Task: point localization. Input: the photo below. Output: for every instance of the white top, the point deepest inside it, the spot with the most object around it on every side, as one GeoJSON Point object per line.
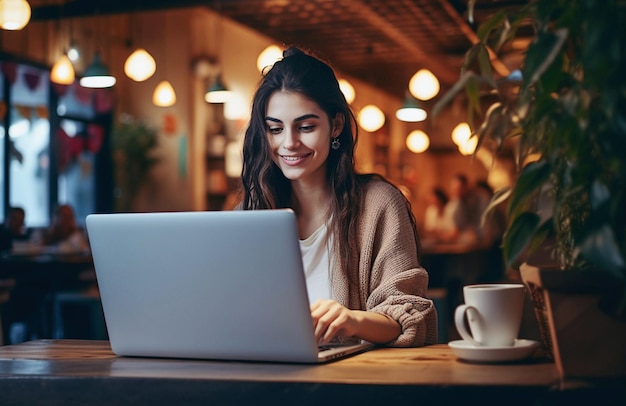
{"type": "Point", "coordinates": [317, 264]}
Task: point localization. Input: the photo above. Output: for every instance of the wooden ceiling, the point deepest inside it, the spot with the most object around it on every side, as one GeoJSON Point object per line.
{"type": "Point", "coordinates": [382, 42]}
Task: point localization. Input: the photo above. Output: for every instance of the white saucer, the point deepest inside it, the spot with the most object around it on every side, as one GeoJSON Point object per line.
{"type": "Point", "coordinates": [469, 352]}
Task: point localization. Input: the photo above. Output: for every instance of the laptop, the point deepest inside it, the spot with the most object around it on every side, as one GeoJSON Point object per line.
{"type": "Point", "coordinates": [225, 285]}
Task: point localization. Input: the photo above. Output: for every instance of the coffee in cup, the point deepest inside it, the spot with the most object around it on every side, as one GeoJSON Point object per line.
{"type": "Point", "coordinates": [494, 314]}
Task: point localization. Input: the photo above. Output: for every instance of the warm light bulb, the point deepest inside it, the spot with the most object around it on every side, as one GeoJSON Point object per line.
{"type": "Point", "coordinates": [417, 141]}
{"type": "Point", "coordinates": [14, 14]}
{"type": "Point", "coordinates": [371, 118]}
{"type": "Point", "coordinates": [461, 133]}
{"type": "Point", "coordinates": [73, 53]}
{"type": "Point", "coordinates": [63, 71]}
{"type": "Point", "coordinates": [424, 85]}
{"type": "Point", "coordinates": [348, 90]}
{"type": "Point", "coordinates": [469, 146]}
{"type": "Point", "coordinates": [164, 95]}
{"type": "Point", "coordinates": [140, 65]}
{"type": "Point", "coordinates": [268, 57]}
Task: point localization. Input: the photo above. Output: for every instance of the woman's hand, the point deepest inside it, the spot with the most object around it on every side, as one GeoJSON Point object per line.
{"type": "Point", "coordinates": [331, 319]}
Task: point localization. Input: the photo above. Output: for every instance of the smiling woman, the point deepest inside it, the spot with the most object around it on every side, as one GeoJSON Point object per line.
{"type": "Point", "coordinates": [357, 233]}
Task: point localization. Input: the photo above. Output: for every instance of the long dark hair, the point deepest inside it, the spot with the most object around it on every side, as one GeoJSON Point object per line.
{"type": "Point", "coordinates": [265, 186]}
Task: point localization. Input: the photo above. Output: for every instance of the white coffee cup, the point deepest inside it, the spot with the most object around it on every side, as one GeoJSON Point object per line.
{"type": "Point", "coordinates": [494, 314]}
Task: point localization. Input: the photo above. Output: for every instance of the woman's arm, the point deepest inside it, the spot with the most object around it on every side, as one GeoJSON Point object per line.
{"type": "Point", "coordinates": [331, 319]}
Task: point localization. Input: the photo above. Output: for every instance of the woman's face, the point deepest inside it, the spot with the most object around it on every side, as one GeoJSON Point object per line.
{"type": "Point", "coordinates": [299, 134]}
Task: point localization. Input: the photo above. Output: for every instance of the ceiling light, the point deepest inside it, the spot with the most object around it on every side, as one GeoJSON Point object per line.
{"type": "Point", "coordinates": [424, 85]}
{"type": "Point", "coordinates": [268, 57]}
{"type": "Point", "coordinates": [348, 90]}
{"type": "Point", "coordinates": [371, 118]}
{"type": "Point", "coordinates": [461, 133]}
{"type": "Point", "coordinates": [62, 71]}
{"type": "Point", "coordinates": [217, 93]}
{"type": "Point", "coordinates": [140, 65]}
{"type": "Point", "coordinates": [14, 14]}
{"type": "Point", "coordinates": [97, 75]}
{"type": "Point", "coordinates": [73, 53]}
{"type": "Point", "coordinates": [417, 141]}
{"type": "Point", "coordinates": [411, 111]}
{"type": "Point", "coordinates": [164, 95]}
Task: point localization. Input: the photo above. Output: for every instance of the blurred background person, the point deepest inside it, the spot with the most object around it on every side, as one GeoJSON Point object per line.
{"type": "Point", "coordinates": [436, 221]}
{"type": "Point", "coordinates": [13, 229]}
{"type": "Point", "coordinates": [64, 235]}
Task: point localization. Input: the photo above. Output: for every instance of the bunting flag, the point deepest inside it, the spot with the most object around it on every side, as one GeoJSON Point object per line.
{"type": "Point", "coordinates": [32, 78]}
{"type": "Point", "coordinates": [9, 69]}
{"type": "Point", "coordinates": [3, 110]}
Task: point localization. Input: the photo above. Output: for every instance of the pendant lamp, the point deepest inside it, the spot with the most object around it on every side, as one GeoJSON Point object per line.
{"type": "Point", "coordinates": [417, 141]}
{"type": "Point", "coordinates": [411, 111]}
{"type": "Point", "coordinates": [348, 90]}
{"type": "Point", "coordinates": [14, 14]}
{"type": "Point", "coordinates": [97, 75]}
{"type": "Point", "coordinates": [371, 118]}
{"type": "Point", "coordinates": [164, 95]}
{"type": "Point", "coordinates": [268, 57]}
{"type": "Point", "coordinates": [140, 65]}
{"type": "Point", "coordinates": [217, 92]}
{"type": "Point", "coordinates": [424, 85]}
{"type": "Point", "coordinates": [62, 72]}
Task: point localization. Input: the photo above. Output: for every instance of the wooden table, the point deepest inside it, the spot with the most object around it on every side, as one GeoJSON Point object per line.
{"type": "Point", "coordinates": [70, 372]}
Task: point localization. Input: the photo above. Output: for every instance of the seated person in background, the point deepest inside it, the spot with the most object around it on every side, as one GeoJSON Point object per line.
{"type": "Point", "coordinates": [64, 234]}
{"type": "Point", "coordinates": [13, 229]}
{"type": "Point", "coordinates": [463, 212]}
{"type": "Point", "coordinates": [436, 222]}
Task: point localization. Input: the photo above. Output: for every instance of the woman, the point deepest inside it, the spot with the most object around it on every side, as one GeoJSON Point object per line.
{"type": "Point", "coordinates": [358, 237]}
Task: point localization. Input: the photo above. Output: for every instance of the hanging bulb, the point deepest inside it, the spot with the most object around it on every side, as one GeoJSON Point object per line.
{"type": "Point", "coordinates": [417, 141]}
{"type": "Point", "coordinates": [97, 75]}
{"type": "Point", "coordinates": [73, 53]}
{"type": "Point", "coordinates": [14, 14]}
{"type": "Point", "coordinates": [268, 57]}
{"type": "Point", "coordinates": [371, 118]}
{"type": "Point", "coordinates": [164, 95]}
{"type": "Point", "coordinates": [140, 65]}
{"type": "Point", "coordinates": [217, 93]}
{"type": "Point", "coordinates": [63, 71]}
{"type": "Point", "coordinates": [424, 85]}
{"type": "Point", "coordinates": [348, 90]}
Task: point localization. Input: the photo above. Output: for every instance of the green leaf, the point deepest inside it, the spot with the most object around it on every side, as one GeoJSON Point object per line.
{"type": "Point", "coordinates": [542, 53]}
{"type": "Point", "coordinates": [498, 198]}
{"type": "Point", "coordinates": [519, 235]}
{"type": "Point", "coordinates": [451, 94]}
{"type": "Point", "coordinates": [531, 178]}
{"type": "Point", "coordinates": [492, 23]}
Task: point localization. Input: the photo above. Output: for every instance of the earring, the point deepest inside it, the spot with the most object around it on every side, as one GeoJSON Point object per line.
{"type": "Point", "coordinates": [335, 144]}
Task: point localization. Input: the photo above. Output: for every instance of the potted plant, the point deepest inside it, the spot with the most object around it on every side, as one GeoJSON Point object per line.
{"type": "Point", "coordinates": [133, 143]}
{"type": "Point", "coordinates": [567, 109]}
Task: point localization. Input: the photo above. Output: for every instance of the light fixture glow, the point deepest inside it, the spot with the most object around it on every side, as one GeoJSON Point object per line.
{"type": "Point", "coordinates": [140, 65]}
{"type": "Point", "coordinates": [371, 118]}
{"type": "Point", "coordinates": [63, 71]}
{"type": "Point", "coordinates": [469, 146]}
{"type": "Point", "coordinates": [73, 53]}
{"type": "Point", "coordinates": [14, 14]}
{"type": "Point", "coordinates": [411, 111]}
{"type": "Point", "coordinates": [217, 93]}
{"type": "Point", "coordinates": [424, 85]}
{"type": "Point", "coordinates": [268, 57]}
{"type": "Point", "coordinates": [461, 133]}
{"type": "Point", "coordinates": [164, 95]}
{"type": "Point", "coordinates": [97, 75]}
{"type": "Point", "coordinates": [417, 141]}
{"type": "Point", "coordinates": [348, 90]}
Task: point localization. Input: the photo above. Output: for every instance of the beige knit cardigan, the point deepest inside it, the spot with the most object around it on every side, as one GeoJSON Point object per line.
{"type": "Point", "coordinates": [390, 279]}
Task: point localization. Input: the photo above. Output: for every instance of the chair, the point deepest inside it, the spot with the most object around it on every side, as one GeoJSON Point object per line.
{"type": "Point", "coordinates": [78, 315]}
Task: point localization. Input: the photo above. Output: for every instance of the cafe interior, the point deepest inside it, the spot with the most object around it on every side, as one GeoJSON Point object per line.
{"type": "Point", "coordinates": [112, 106]}
{"type": "Point", "coordinates": [179, 76]}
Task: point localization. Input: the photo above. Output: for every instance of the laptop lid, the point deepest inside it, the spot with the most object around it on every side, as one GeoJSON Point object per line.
{"type": "Point", "coordinates": [214, 285]}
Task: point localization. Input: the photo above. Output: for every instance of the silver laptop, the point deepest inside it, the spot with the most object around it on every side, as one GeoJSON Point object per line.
{"type": "Point", "coordinates": [211, 285]}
